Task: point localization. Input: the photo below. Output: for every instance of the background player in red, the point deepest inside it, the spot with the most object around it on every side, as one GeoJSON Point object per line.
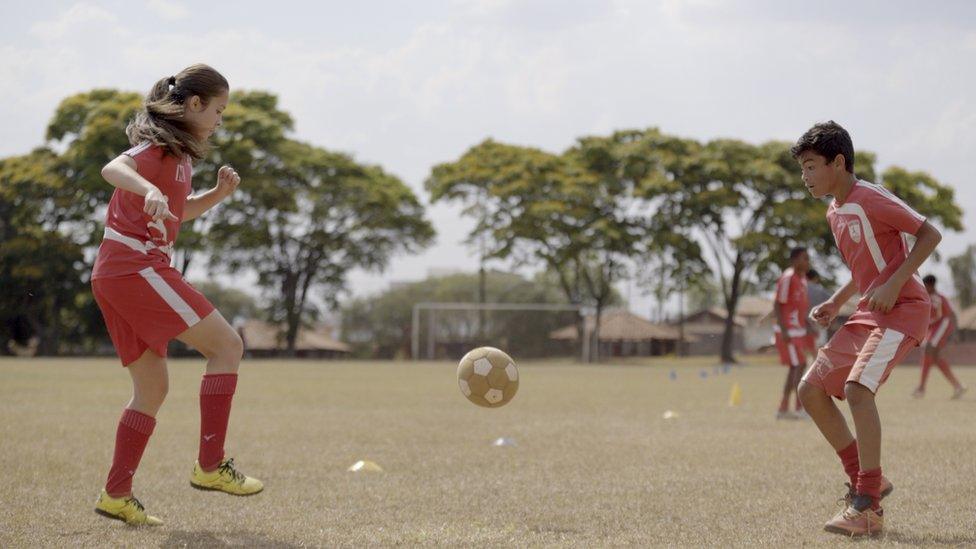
{"type": "Point", "coordinates": [793, 340]}
{"type": "Point", "coordinates": [942, 324]}
{"type": "Point", "coordinates": [146, 303]}
{"type": "Point", "coordinates": [868, 223]}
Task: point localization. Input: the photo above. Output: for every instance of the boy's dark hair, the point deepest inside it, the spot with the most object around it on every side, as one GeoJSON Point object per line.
{"type": "Point", "coordinates": [795, 252]}
{"type": "Point", "coordinates": [930, 280]}
{"type": "Point", "coordinates": [812, 274]}
{"type": "Point", "coordinates": [827, 139]}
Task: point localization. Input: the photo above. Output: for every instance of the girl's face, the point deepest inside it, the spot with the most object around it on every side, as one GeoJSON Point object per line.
{"type": "Point", "coordinates": [205, 119]}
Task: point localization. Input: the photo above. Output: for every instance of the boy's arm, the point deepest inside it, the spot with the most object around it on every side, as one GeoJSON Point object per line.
{"type": "Point", "coordinates": [825, 313]}
{"type": "Point", "coordinates": [883, 297]}
{"type": "Point", "coordinates": [781, 320]}
{"type": "Point", "coordinates": [122, 172]}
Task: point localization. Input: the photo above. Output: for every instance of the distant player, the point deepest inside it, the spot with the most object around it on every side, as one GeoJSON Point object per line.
{"type": "Point", "coordinates": [941, 326]}
{"type": "Point", "coordinates": [146, 302]}
{"type": "Point", "coordinates": [891, 318]}
{"type": "Point", "coordinates": [793, 341]}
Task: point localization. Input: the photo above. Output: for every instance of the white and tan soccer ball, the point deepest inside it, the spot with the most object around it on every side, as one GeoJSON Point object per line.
{"type": "Point", "coordinates": [488, 377]}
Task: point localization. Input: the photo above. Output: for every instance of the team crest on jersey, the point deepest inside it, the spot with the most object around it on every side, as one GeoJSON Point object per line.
{"type": "Point", "coordinates": [854, 229]}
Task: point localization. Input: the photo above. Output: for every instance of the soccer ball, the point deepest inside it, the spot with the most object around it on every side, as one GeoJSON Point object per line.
{"type": "Point", "coordinates": [488, 377]}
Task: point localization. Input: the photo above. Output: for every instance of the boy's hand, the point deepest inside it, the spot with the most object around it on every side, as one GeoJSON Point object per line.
{"type": "Point", "coordinates": [881, 298]}
{"type": "Point", "coordinates": [824, 313]}
{"type": "Point", "coordinates": [227, 181]}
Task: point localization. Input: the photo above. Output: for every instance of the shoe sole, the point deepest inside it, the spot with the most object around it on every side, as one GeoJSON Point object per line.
{"type": "Point", "coordinates": [209, 489]}
{"type": "Point", "coordinates": [108, 515]}
{"type": "Point", "coordinates": [837, 530]}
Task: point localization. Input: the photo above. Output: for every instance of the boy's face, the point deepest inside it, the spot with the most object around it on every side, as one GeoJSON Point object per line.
{"type": "Point", "coordinates": [820, 176]}
{"type": "Point", "coordinates": [802, 262]}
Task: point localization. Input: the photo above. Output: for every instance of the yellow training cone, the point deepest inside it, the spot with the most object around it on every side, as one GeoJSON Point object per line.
{"type": "Point", "coordinates": [735, 396]}
{"type": "Point", "coordinates": [364, 466]}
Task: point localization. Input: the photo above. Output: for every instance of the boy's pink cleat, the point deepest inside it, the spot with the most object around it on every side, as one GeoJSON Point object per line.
{"type": "Point", "coordinates": [855, 523]}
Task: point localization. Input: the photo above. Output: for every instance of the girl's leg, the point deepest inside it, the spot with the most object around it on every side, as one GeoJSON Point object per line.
{"type": "Point", "coordinates": [223, 348]}
{"type": "Point", "coordinates": [150, 382]}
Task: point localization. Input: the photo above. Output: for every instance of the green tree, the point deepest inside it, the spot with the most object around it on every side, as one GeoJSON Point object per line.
{"type": "Point", "coordinates": [233, 304]}
{"type": "Point", "coordinates": [41, 267]}
{"type": "Point", "coordinates": [309, 221]}
{"type": "Point", "coordinates": [963, 269]}
{"type": "Point", "coordinates": [559, 211]}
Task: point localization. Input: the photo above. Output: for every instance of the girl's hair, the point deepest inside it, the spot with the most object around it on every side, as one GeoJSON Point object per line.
{"type": "Point", "coordinates": [161, 121]}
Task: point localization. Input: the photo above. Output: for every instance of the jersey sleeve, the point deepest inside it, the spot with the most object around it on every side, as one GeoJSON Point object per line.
{"type": "Point", "coordinates": [892, 211]}
{"type": "Point", "coordinates": [149, 159]}
{"type": "Point", "coordinates": [946, 308]}
{"type": "Point", "coordinates": [783, 289]}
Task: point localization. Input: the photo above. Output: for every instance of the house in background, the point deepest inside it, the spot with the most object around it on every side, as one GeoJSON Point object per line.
{"type": "Point", "coordinates": [623, 333]}
{"type": "Point", "coordinates": [265, 340]}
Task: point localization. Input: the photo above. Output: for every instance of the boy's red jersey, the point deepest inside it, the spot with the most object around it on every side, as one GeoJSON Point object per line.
{"type": "Point", "coordinates": [869, 229]}
{"type": "Point", "coordinates": [133, 240]}
{"type": "Point", "coordinates": [791, 294]}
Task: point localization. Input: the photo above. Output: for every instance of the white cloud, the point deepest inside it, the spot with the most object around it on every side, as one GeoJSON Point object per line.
{"type": "Point", "coordinates": [168, 9]}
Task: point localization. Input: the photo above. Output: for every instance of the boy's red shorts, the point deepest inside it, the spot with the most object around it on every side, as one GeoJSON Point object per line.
{"type": "Point", "coordinates": [860, 353]}
{"type": "Point", "coordinates": [794, 353]}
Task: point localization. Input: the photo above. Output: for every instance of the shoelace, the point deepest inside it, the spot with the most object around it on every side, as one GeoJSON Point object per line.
{"type": "Point", "coordinates": [228, 467]}
{"type": "Point", "coordinates": [137, 503]}
{"type": "Point", "coordinates": [847, 499]}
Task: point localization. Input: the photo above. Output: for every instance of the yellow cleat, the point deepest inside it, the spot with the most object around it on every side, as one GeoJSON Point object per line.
{"type": "Point", "coordinates": [127, 509]}
{"type": "Point", "coordinates": [225, 479]}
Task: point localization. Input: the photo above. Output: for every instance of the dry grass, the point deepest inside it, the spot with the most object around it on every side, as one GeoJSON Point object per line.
{"type": "Point", "coordinates": [595, 464]}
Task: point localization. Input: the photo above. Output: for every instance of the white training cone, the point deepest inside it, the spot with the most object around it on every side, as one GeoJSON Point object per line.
{"type": "Point", "coordinates": [365, 466]}
{"type": "Point", "coordinates": [504, 441]}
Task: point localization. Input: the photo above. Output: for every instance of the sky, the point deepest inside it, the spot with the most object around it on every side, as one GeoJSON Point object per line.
{"type": "Point", "coordinates": [408, 85]}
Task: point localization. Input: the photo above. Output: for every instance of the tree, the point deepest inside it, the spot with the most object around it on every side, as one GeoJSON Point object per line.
{"type": "Point", "coordinates": [963, 269]}
{"type": "Point", "coordinates": [558, 210]}
{"type": "Point", "coordinates": [41, 269]}
{"type": "Point", "coordinates": [233, 304]}
{"type": "Point", "coordinates": [308, 221]}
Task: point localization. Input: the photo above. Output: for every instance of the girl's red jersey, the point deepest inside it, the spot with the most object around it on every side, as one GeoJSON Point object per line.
{"type": "Point", "coordinates": [133, 241]}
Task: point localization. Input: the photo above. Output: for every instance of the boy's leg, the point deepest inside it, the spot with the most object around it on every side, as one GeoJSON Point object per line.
{"type": "Point", "coordinates": [882, 350]}
{"type": "Point", "coordinates": [926, 366]}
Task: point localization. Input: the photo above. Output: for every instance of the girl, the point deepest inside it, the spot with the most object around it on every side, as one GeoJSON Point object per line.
{"type": "Point", "coordinates": [146, 303]}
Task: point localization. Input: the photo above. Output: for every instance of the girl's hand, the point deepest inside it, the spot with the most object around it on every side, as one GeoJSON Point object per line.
{"type": "Point", "coordinates": [157, 206]}
{"type": "Point", "coordinates": [227, 181]}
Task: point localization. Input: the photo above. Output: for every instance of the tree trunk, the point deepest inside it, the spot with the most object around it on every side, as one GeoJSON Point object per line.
{"type": "Point", "coordinates": [595, 345]}
{"type": "Point", "coordinates": [731, 305]}
{"type": "Point", "coordinates": [289, 287]}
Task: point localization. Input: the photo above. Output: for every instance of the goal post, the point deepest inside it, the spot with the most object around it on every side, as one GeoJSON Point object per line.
{"type": "Point", "coordinates": [432, 308]}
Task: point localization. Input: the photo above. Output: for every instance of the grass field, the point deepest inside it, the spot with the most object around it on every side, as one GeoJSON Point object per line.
{"type": "Point", "coordinates": [595, 462]}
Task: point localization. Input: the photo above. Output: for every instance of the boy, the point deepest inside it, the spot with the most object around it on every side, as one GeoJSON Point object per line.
{"type": "Point", "coordinates": [792, 338]}
{"type": "Point", "coordinates": [942, 324]}
{"type": "Point", "coordinates": [891, 317]}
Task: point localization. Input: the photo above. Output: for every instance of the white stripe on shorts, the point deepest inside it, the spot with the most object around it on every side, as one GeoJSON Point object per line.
{"type": "Point", "coordinates": [940, 333]}
{"type": "Point", "coordinates": [170, 296]}
{"type": "Point", "coordinates": [794, 360]}
{"type": "Point", "coordinates": [883, 354]}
